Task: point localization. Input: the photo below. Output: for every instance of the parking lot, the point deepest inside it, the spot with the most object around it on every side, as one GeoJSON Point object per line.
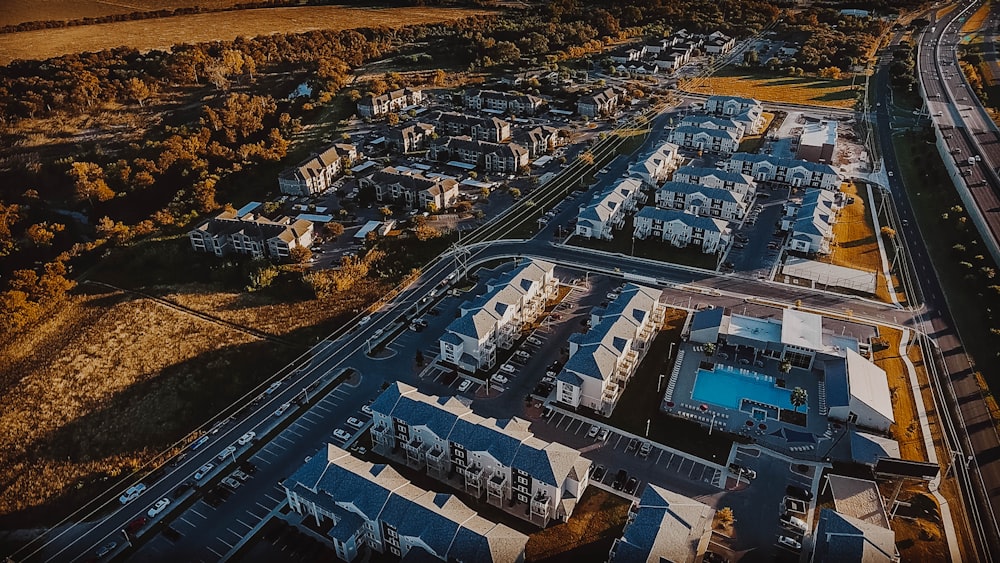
{"type": "Point", "coordinates": [756, 249]}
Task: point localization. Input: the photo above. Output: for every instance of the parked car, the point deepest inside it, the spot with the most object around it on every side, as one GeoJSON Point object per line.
{"type": "Point", "coordinates": [182, 488]}
{"type": "Point", "coordinates": [341, 434]}
{"type": "Point", "coordinates": [603, 436]}
{"type": "Point", "coordinates": [281, 410]}
{"type": "Point", "coordinates": [231, 483]}
{"type": "Point", "coordinates": [798, 492]}
{"type": "Point", "coordinates": [464, 385]}
{"type": "Point", "coordinates": [793, 522]}
{"type": "Point", "coordinates": [535, 341]}
{"type": "Point", "coordinates": [599, 473]}
{"type": "Point", "coordinates": [364, 320]}
{"type": "Point", "coordinates": [508, 368]}
{"type": "Point", "coordinates": [592, 433]}
{"type": "Point", "coordinates": [645, 448]}
{"type": "Point", "coordinates": [230, 450]}
{"type": "Point", "coordinates": [632, 443]}
{"type": "Point", "coordinates": [355, 422]}
{"type": "Point", "coordinates": [136, 525]}
{"type": "Point", "coordinates": [620, 480]}
{"type": "Point", "coordinates": [790, 543]}
{"type": "Point", "coordinates": [203, 471]}
{"type": "Point", "coordinates": [378, 333]}
{"type": "Point", "coordinates": [159, 507]}
{"type": "Point", "coordinates": [132, 493]}
{"type": "Point", "coordinates": [106, 549]}
{"type": "Point", "coordinates": [366, 409]}
{"type": "Point", "coordinates": [631, 486]}
{"type": "Point", "coordinates": [498, 378]}
{"type": "Point", "coordinates": [522, 354]}
{"type": "Point", "coordinates": [246, 438]}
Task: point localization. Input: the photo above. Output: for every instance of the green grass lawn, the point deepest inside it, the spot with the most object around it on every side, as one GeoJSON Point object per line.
{"type": "Point", "coordinates": [932, 194]}
{"type": "Point", "coordinates": [641, 402]}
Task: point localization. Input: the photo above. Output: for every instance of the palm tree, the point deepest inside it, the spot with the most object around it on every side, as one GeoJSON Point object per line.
{"type": "Point", "coordinates": [799, 397]}
{"type": "Point", "coordinates": [709, 349]}
{"type": "Point", "coordinates": [785, 366]}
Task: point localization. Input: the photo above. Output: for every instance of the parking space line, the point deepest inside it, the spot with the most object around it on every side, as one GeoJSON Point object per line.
{"type": "Point", "coordinates": [229, 545]}
{"type": "Point", "coordinates": [282, 437]}
{"type": "Point", "coordinates": [203, 517]}
{"type": "Point", "coordinates": [322, 408]}
{"type": "Point", "coordinates": [270, 497]}
{"type": "Point", "coordinates": [618, 441]}
{"type": "Point", "coordinates": [249, 527]}
{"type": "Point", "coordinates": [266, 508]}
{"type": "Point", "coordinates": [291, 431]}
{"type": "Point", "coordinates": [310, 417]}
{"type": "Point", "coordinates": [217, 554]}
{"type": "Point", "coordinates": [658, 456]}
{"type": "Point", "coordinates": [185, 520]}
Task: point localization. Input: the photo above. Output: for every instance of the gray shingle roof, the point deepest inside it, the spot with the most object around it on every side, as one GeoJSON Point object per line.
{"type": "Point", "coordinates": [700, 172]}
{"type": "Point", "coordinates": [708, 224]}
{"type": "Point", "coordinates": [720, 194]}
{"type": "Point", "coordinates": [842, 539]}
{"type": "Point", "coordinates": [666, 527]}
{"type": "Point", "coordinates": [784, 162]}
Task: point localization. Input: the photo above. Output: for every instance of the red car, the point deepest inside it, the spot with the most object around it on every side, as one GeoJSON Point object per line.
{"type": "Point", "coordinates": [137, 524]}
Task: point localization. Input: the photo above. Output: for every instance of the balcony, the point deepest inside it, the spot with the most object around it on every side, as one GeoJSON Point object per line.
{"type": "Point", "coordinates": [540, 505]}
{"type": "Point", "coordinates": [610, 393]}
{"type": "Point", "coordinates": [416, 452]}
{"type": "Point", "coordinates": [474, 477]}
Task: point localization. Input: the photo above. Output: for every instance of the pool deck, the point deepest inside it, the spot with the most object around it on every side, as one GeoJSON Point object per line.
{"type": "Point", "coordinates": [816, 440]}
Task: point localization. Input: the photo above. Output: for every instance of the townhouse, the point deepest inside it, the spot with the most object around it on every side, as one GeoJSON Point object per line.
{"type": "Point", "coordinates": [701, 200]}
{"type": "Point", "coordinates": [538, 140]}
{"type": "Point", "coordinates": [384, 104]}
{"type": "Point", "coordinates": [316, 173]}
{"type": "Point", "coordinates": [638, 67]}
{"type": "Point", "coordinates": [714, 122]}
{"type": "Point", "coordinates": [628, 54]}
{"type": "Point", "coordinates": [410, 137]}
{"type": "Point", "coordinates": [663, 526]}
{"type": "Point", "coordinates": [507, 102]}
{"type": "Point", "coordinates": [811, 221]}
{"type": "Point", "coordinates": [719, 43]}
{"type": "Point", "coordinates": [491, 129]}
{"type": "Point", "coordinates": [598, 104]}
{"type": "Point", "coordinates": [506, 158]}
{"type": "Point", "coordinates": [654, 168]}
{"type": "Point", "coordinates": [736, 182]}
{"type": "Point", "coordinates": [748, 111]}
{"type": "Point", "coordinates": [681, 228]}
{"type": "Point", "coordinates": [353, 504]}
{"type": "Point", "coordinates": [251, 234]}
{"type": "Point", "coordinates": [496, 318]}
{"type": "Point", "coordinates": [497, 460]}
{"type": "Point", "coordinates": [719, 141]}
{"type": "Point", "coordinates": [413, 188]}
{"type": "Point", "coordinates": [606, 211]}
{"type": "Point", "coordinates": [785, 171]}
{"type": "Point", "coordinates": [603, 360]}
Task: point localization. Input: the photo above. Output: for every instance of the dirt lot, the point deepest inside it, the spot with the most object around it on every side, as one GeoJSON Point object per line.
{"type": "Point", "coordinates": [94, 392]}
{"type": "Point", "coordinates": [164, 32]}
{"type": "Point", "coordinates": [599, 515]}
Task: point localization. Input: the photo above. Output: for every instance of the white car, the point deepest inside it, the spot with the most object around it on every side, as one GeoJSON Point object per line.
{"type": "Point", "coordinates": [246, 438]}
{"type": "Point", "coordinates": [592, 433]}
{"type": "Point", "coordinates": [367, 409]}
{"type": "Point", "coordinates": [500, 379]}
{"type": "Point", "coordinates": [231, 483]}
{"type": "Point", "coordinates": [281, 410]}
{"type": "Point", "coordinates": [341, 434]}
{"type": "Point", "coordinates": [355, 422]}
{"type": "Point", "coordinates": [378, 333]}
{"type": "Point", "coordinates": [226, 453]}
{"type": "Point", "coordinates": [507, 368]}
{"type": "Point", "coordinates": [364, 320]}
{"type": "Point", "coordinates": [794, 522]}
{"type": "Point", "coordinates": [159, 507]}
{"type": "Point", "coordinates": [612, 296]}
{"type": "Point", "coordinates": [450, 277]}
{"type": "Point", "coordinates": [535, 341]}
{"type": "Point", "coordinates": [203, 471]}
{"type": "Point", "coordinates": [788, 542]}
{"type": "Point", "coordinates": [522, 354]}
{"type": "Point", "coordinates": [603, 436]}
{"type": "Point", "coordinates": [464, 385]}
{"type": "Point", "coordinates": [132, 493]}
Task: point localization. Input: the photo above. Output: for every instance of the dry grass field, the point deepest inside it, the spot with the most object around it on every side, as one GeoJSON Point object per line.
{"type": "Point", "coordinates": [855, 245]}
{"type": "Point", "coordinates": [20, 11]}
{"type": "Point", "coordinates": [93, 393]}
{"type": "Point", "coordinates": [975, 21]}
{"type": "Point", "coordinates": [162, 33]}
{"type": "Point", "coordinates": [807, 90]}
{"type": "Point", "coordinates": [906, 429]}
{"type": "Point", "coordinates": [598, 515]}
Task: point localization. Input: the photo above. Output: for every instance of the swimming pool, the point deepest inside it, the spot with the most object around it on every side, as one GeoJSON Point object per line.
{"type": "Point", "coordinates": [726, 387]}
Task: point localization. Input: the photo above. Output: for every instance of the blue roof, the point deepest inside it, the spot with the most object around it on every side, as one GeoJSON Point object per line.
{"type": "Point", "coordinates": [412, 519]}
{"type": "Point", "coordinates": [693, 130]}
{"type": "Point", "coordinates": [709, 318]}
{"type": "Point", "coordinates": [838, 394]}
{"type": "Point", "coordinates": [837, 540]}
{"type": "Point", "coordinates": [722, 175]}
{"type": "Point", "coordinates": [536, 463]}
{"type": "Point", "coordinates": [369, 497]}
{"type": "Point", "coordinates": [690, 219]}
{"type": "Point", "coordinates": [348, 523]}
{"type": "Point", "coordinates": [569, 377]}
{"type": "Point", "coordinates": [784, 162]}
{"type": "Point", "coordinates": [481, 438]}
{"type": "Point", "coordinates": [418, 413]}
{"type": "Point", "coordinates": [470, 546]}
{"type": "Point", "coordinates": [310, 472]}
{"type": "Point", "coordinates": [387, 400]}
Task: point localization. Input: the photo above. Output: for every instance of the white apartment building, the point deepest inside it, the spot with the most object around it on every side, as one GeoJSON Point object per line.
{"type": "Point", "coordinates": [656, 167]}
{"type": "Point", "coordinates": [497, 317]}
{"type": "Point", "coordinates": [811, 221]}
{"type": "Point", "coordinates": [606, 212]}
{"type": "Point", "coordinates": [714, 122]}
{"type": "Point", "coordinates": [785, 171]}
{"type": "Point", "coordinates": [251, 234]}
{"type": "Point", "coordinates": [740, 184]}
{"type": "Point", "coordinates": [600, 103]}
{"type": "Point", "coordinates": [719, 141]}
{"type": "Point", "coordinates": [359, 504]}
{"type": "Point", "coordinates": [701, 200]}
{"type": "Point", "coordinates": [604, 359]}
{"type": "Point", "coordinates": [316, 173]}
{"type": "Point", "coordinates": [499, 461]}
{"type": "Point", "coordinates": [681, 228]}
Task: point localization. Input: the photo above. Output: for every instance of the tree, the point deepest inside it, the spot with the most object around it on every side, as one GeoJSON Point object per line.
{"type": "Point", "coordinates": [42, 234]}
{"type": "Point", "coordinates": [385, 211]}
{"type": "Point", "coordinates": [709, 348]}
{"type": "Point", "coordinates": [334, 229]}
{"type": "Point", "coordinates": [439, 77]}
{"type": "Point", "coordinates": [138, 90]}
{"type": "Point", "coordinates": [888, 232]}
{"type": "Point", "coordinates": [262, 275]}
{"type": "Point", "coordinates": [785, 366]}
{"type": "Point", "coordinates": [426, 232]}
{"type": "Point", "coordinates": [799, 397]}
{"type": "Point", "coordinates": [300, 254]}
{"type": "Point", "coordinates": [89, 183]}
{"type": "Point", "coordinates": [393, 118]}
{"type": "Point", "coordinates": [587, 158]}
{"type": "Point", "coordinates": [725, 517]}
{"type": "Point", "coordinates": [515, 193]}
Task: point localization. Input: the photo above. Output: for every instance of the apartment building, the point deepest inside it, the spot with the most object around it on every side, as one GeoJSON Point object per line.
{"type": "Point", "coordinates": [538, 140]}
{"type": "Point", "coordinates": [351, 504]}
{"type": "Point", "coordinates": [490, 129]}
{"type": "Point", "coordinates": [316, 173]}
{"type": "Point", "coordinates": [748, 111]}
{"type": "Point", "coordinates": [681, 228]}
{"type": "Point", "coordinates": [384, 104]}
{"type": "Point", "coordinates": [410, 137]}
{"type": "Point", "coordinates": [811, 221]}
{"type": "Point", "coordinates": [664, 526]}
{"type": "Point", "coordinates": [738, 183]}
{"type": "Point", "coordinates": [719, 43]}
{"type": "Point", "coordinates": [255, 235]}
{"type": "Point", "coordinates": [412, 188]}
{"type": "Point", "coordinates": [701, 200]}
{"type": "Point", "coordinates": [656, 167]}
{"type": "Point", "coordinates": [785, 171]}
{"type": "Point", "coordinates": [601, 103]}
{"type": "Point", "coordinates": [606, 211]}
{"type": "Point", "coordinates": [718, 141]}
{"type": "Point", "coordinates": [505, 158]}
{"type": "Point", "coordinates": [714, 122]}
{"type": "Point", "coordinates": [604, 359]}
{"type": "Point", "coordinates": [496, 318]}
{"type": "Point", "coordinates": [507, 102]}
{"type": "Point", "coordinates": [499, 461]}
